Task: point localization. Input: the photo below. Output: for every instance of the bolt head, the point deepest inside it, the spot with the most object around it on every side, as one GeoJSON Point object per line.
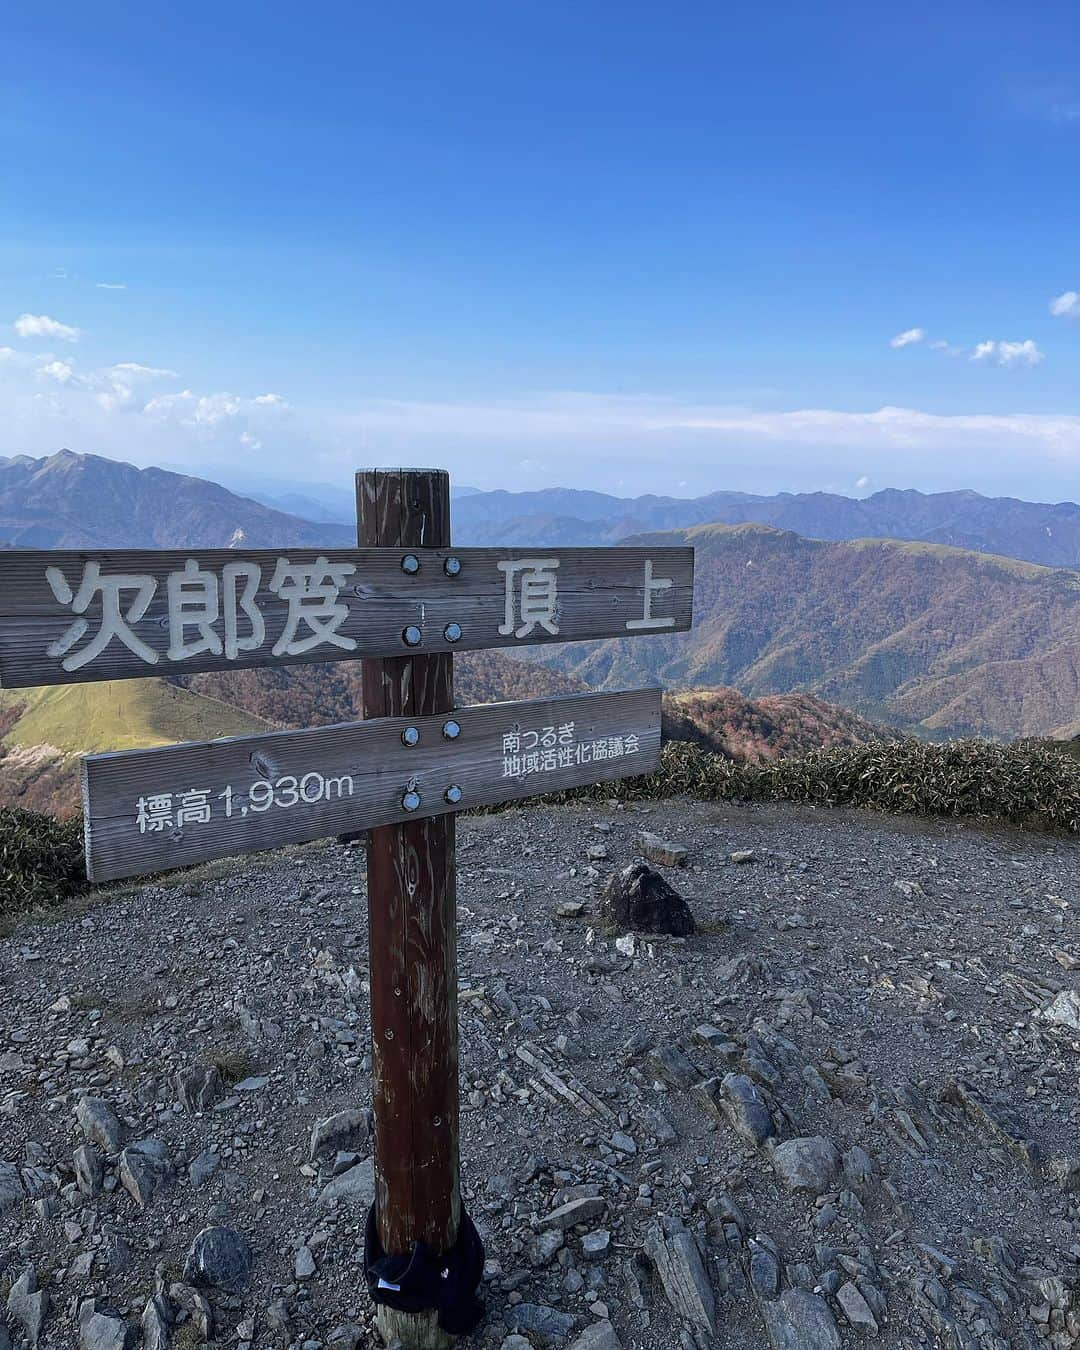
{"type": "Point", "coordinates": [452, 632]}
{"type": "Point", "coordinates": [410, 564]}
{"type": "Point", "coordinates": [412, 636]}
{"type": "Point", "coordinates": [451, 730]}
{"type": "Point", "coordinates": [410, 801]}
{"type": "Point", "coordinates": [453, 794]}
{"type": "Point", "coordinates": [452, 567]}
{"type": "Point", "coordinates": [410, 736]}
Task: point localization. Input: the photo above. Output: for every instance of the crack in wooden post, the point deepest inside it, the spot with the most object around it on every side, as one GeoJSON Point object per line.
{"type": "Point", "coordinates": [412, 934]}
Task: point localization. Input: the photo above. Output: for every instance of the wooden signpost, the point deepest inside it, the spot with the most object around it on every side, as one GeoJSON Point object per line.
{"type": "Point", "coordinates": [402, 601]}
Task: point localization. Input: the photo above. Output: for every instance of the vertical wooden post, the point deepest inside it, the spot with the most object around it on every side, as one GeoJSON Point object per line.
{"type": "Point", "coordinates": [412, 934]}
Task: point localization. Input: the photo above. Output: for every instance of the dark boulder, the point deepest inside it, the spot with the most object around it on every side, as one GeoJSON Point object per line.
{"type": "Point", "coordinates": [639, 900]}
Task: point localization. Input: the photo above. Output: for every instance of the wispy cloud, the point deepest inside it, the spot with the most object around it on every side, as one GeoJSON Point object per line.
{"type": "Point", "coordinates": [1066, 305]}
{"type": "Point", "coordinates": [60, 371]}
{"type": "Point", "coordinates": [1025, 353]}
{"type": "Point", "coordinates": [1009, 354]}
{"type": "Point", "coordinates": [111, 285]}
{"type": "Point", "coordinates": [42, 326]}
{"type": "Point", "coordinates": [144, 413]}
{"type": "Point", "coordinates": [120, 385]}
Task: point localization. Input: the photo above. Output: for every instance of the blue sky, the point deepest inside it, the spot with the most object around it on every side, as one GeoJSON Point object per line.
{"type": "Point", "coordinates": [627, 246]}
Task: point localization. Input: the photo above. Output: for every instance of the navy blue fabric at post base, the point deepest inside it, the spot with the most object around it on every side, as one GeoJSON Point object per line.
{"type": "Point", "coordinates": [424, 1280]}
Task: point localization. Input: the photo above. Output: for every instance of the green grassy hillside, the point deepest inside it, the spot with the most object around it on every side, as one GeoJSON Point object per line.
{"type": "Point", "coordinates": [42, 731]}
{"type": "Point", "coordinates": [120, 715]}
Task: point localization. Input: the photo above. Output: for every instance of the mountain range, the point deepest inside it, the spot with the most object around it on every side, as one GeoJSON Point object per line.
{"type": "Point", "coordinates": [86, 501]}
{"type": "Point", "coordinates": [68, 500]}
{"type": "Point", "coordinates": [934, 640]}
{"type": "Point", "coordinates": [914, 631]}
{"type": "Point", "coordinates": [1035, 531]}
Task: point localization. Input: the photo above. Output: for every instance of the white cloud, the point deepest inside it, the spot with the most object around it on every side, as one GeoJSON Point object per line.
{"type": "Point", "coordinates": [627, 444]}
{"type": "Point", "coordinates": [60, 371]}
{"type": "Point", "coordinates": [908, 337]}
{"type": "Point", "coordinates": [1008, 354]}
{"type": "Point", "coordinates": [40, 325]}
{"type": "Point", "coordinates": [111, 285]}
{"type": "Point", "coordinates": [1066, 305]}
{"type": "Point", "coordinates": [117, 386]}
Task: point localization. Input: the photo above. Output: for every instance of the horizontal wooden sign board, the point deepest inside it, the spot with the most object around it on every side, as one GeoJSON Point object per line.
{"type": "Point", "coordinates": [72, 617]}
{"type": "Point", "coordinates": [153, 810]}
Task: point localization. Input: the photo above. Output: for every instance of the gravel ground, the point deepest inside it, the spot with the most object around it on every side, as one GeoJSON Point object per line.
{"type": "Point", "coordinates": [890, 1001]}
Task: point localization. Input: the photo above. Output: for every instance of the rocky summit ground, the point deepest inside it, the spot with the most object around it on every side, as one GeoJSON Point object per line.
{"type": "Point", "coordinates": [844, 1112]}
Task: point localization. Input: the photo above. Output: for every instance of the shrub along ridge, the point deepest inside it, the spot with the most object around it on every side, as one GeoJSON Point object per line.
{"type": "Point", "coordinates": [1032, 785]}
{"type": "Point", "coordinates": [41, 859]}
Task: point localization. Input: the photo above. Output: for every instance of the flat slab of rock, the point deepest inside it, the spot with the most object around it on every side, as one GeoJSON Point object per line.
{"type": "Point", "coordinates": [156, 1324]}
{"type": "Point", "coordinates": [671, 1248]}
{"type": "Point", "coordinates": [543, 1325]}
{"type": "Point", "coordinates": [345, 1131]}
{"type": "Point", "coordinates": [996, 1118]}
{"type": "Point", "coordinates": [576, 1211]}
{"type": "Point", "coordinates": [661, 851]}
{"type": "Point", "coordinates": [670, 1065]}
{"type": "Point", "coordinates": [600, 1336]}
{"type": "Point", "coordinates": [811, 1163]}
{"type": "Point", "coordinates": [356, 1186]}
{"type": "Point", "coordinates": [27, 1305]}
{"type": "Point", "coordinates": [800, 1321]}
{"type": "Point", "coordinates": [639, 900]}
{"type": "Point", "coordinates": [89, 1169]}
{"type": "Point", "coordinates": [105, 1330]}
{"type": "Point", "coordinates": [1064, 1010]}
{"type": "Point", "coordinates": [856, 1309]}
{"type": "Point", "coordinates": [199, 1087]}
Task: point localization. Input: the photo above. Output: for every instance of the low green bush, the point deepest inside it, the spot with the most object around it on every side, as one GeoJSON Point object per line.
{"type": "Point", "coordinates": [41, 859]}
{"type": "Point", "coordinates": [1028, 785]}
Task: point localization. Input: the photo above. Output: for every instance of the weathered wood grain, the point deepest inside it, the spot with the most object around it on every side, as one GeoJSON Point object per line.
{"type": "Point", "coordinates": [369, 753]}
{"type": "Point", "coordinates": [599, 593]}
{"type": "Point", "coordinates": [412, 933]}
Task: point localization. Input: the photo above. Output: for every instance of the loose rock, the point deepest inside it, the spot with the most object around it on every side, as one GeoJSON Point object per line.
{"type": "Point", "coordinates": [221, 1258]}
{"type": "Point", "coordinates": [807, 1164]}
{"type": "Point", "coordinates": [671, 1248]}
{"type": "Point", "coordinates": [639, 900]}
{"type": "Point", "coordinates": [798, 1320]}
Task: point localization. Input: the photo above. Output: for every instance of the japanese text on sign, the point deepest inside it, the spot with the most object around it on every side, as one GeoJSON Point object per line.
{"type": "Point", "coordinates": [546, 749]}
{"type": "Point", "coordinates": [198, 601]}
{"type": "Point", "coordinates": [215, 611]}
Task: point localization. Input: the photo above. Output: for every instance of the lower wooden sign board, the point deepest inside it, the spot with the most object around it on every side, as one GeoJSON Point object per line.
{"type": "Point", "coordinates": [154, 810]}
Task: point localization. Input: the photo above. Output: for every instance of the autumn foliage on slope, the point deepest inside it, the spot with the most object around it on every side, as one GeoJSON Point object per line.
{"type": "Point", "coordinates": [320, 694]}
{"type": "Point", "coordinates": [775, 726]}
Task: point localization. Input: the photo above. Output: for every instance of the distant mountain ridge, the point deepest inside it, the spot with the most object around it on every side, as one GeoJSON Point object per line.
{"type": "Point", "coordinates": [86, 501]}
{"type": "Point", "coordinates": [932, 639]}
{"type": "Point", "coordinates": [1034, 531]}
{"type": "Point", "coordinates": [69, 500]}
